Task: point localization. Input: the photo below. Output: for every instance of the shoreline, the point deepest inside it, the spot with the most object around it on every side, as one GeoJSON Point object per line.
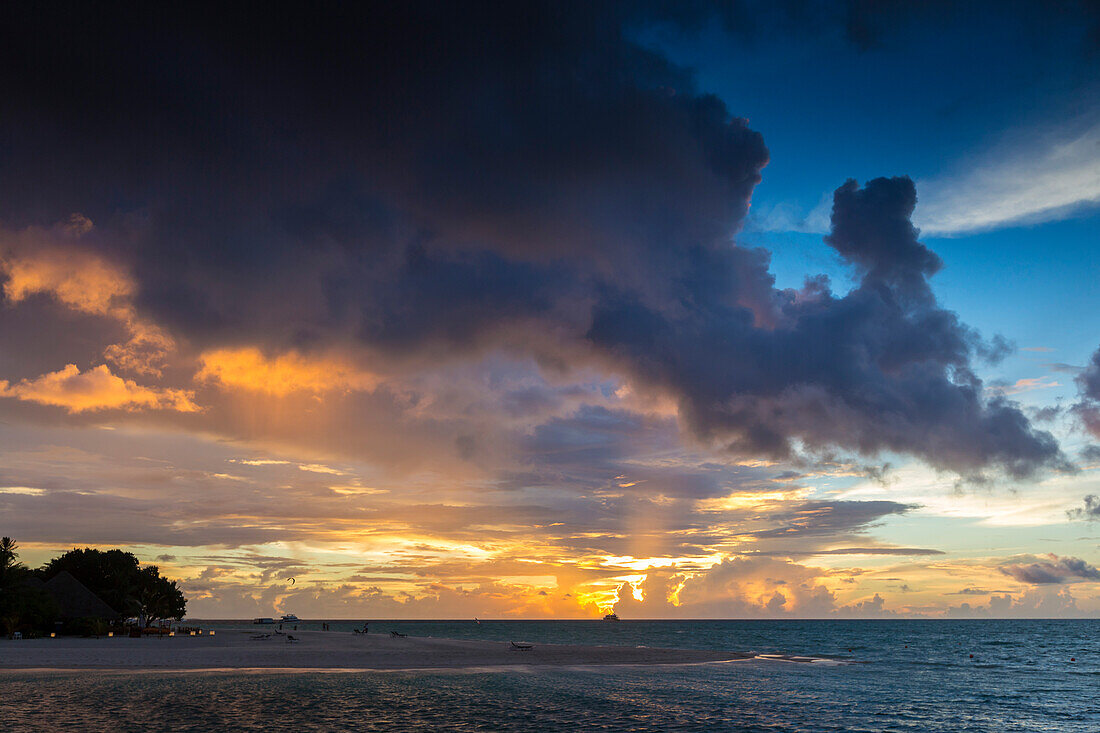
{"type": "Point", "coordinates": [482, 669]}
{"type": "Point", "coordinates": [321, 651]}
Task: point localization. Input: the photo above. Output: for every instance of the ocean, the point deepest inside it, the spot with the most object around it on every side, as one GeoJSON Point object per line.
{"type": "Point", "coordinates": [883, 675]}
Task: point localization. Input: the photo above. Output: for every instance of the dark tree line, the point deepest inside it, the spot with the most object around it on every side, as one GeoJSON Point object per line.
{"type": "Point", "coordinates": [115, 576]}
{"type": "Point", "coordinates": [21, 606]}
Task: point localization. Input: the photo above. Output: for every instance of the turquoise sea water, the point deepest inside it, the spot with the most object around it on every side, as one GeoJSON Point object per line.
{"type": "Point", "coordinates": [911, 676]}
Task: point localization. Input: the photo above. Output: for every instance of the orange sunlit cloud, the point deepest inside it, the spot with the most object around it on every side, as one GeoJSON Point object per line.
{"type": "Point", "coordinates": [96, 389]}
{"type": "Point", "coordinates": [249, 369]}
{"type": "Point", "coordinates": [47, 262]}
{"type": "Point", "coordinates": [82, 281]}
{"type": "Point", "coordinates": [453, 555]}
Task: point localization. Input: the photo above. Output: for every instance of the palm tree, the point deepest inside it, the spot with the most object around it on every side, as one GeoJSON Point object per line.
{"type": "Point", "coordinates": [8, 552]}
{"type": "Point", "coordinates": [11, 570]}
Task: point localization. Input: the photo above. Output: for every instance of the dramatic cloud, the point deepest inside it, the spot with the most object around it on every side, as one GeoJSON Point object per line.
{"type": "Point", "coordinates": [1055, 570]}
{"type": "Point", "coordinates": [96, 389]}
{"type": "Point", "coordinates": [77, 278]}
{"type": "Point", "coordinates": [742, 587]}
{"type": "Point", "coordinates": [873, 370]}
{"type": "Point", "coordinates": [58, 262]}
{"type": "Point", "coordinates": [734, 588]}
{"type": "Point", "coordinates": [442, 310]}
{"type": "Point", "coordinates": [544, 186]}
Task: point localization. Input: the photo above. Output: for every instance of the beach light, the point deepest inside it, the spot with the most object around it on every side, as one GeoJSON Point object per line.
{"type": "Point", "coordinates": [171, 633]}
{"type": "Point", "coordinates": [53, 635]}
{"type": "Point", "coordinates": [192, 633]}
{"type": "Point", "coordinates": [110, 633]}
{"type": "Point", "coordinates": [211, 633]}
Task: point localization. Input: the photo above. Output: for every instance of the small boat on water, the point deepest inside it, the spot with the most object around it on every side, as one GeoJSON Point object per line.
{"type": "Point", "coordinates": [263, 621]}
{"type": "Point", "coordinates": [611, 617]}
{"type": "Point", "coordinates": [289, 618]}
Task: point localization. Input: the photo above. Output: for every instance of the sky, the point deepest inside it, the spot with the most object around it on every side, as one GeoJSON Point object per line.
{"type": "Point", "coordinates": [677, 310]}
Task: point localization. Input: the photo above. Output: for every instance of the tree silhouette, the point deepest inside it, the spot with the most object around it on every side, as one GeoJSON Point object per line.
{"type": "Point", "coordinates": [21, 607]}
{"type": "Point", "coordinates": [11, 570]}
{"type": "Point", "coordinates": [117, 578]}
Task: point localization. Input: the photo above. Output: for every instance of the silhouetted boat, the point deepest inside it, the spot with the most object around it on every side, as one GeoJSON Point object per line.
{"type": "Point", "coordinates": [611, 617]}
{"type": "Point", "coordinates": [290, 618]}
{"type": "Point", "coordinates": [263, 621]}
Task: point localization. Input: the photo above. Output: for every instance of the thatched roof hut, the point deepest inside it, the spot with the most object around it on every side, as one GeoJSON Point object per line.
{"type": "Point", "coordinates": [75, 600]}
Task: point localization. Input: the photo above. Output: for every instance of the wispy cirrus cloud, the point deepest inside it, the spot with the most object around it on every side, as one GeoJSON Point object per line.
{"type": "Point", "coordinates": [1025, 384]}
{"type": "Point", "coordinates": [1030, 177]}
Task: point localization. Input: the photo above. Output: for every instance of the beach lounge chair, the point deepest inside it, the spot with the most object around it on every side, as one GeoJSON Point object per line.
{"type": "Point", "coordinates": [291, 637]}
{"type": "Point", "coordinates": [397, 635]}
{"type": "Point", "coordinates": [522, 646]}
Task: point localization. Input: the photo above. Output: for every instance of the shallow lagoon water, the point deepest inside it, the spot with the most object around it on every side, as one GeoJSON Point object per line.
{"type": "Point", "coordinates": [903, 676]}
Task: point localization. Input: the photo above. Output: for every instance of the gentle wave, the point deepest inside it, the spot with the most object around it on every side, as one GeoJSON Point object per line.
{"type": "Point", "coordinates": [917, 676]}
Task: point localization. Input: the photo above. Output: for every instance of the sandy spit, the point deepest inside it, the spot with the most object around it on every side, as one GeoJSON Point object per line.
{"type": "Point", "coordinates": [320, 650]}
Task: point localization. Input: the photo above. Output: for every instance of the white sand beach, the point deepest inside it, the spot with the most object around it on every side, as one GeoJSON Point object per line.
{"type": "Point", "coordinates": [321, 650]}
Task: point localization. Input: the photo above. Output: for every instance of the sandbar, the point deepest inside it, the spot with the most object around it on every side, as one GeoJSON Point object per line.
{"type": "Point", "coordinates": [321, 650]}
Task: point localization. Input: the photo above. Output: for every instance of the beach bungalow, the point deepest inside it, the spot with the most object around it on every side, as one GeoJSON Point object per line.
{"type": "Point", "coordinates": [74, 600]}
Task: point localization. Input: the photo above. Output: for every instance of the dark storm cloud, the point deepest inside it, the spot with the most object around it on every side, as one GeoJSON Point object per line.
{"type": "Point", "coordinates": [821, 518]}
{"type": "Point", "coordinates": [1089, 511]}
{"type": "Point", "coordinates": [881, 368]}
{"type": "Point", "coordinates": [904, 551]}
{"type": "Point", "coordinates": [873, 231]}
{"type": "Point", "coordinates": [439, 180]}
{"type": "Point", "coordinates": [585, 449]}
{"type": "Point", "coordinates": [1088, 385]}
{"type": "Point", "coordinates": [1055, 570]}
{"type": "Point", "coordinates": [1050, 413]}
{"type": "Point", "coordinates": [1089, 379]}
